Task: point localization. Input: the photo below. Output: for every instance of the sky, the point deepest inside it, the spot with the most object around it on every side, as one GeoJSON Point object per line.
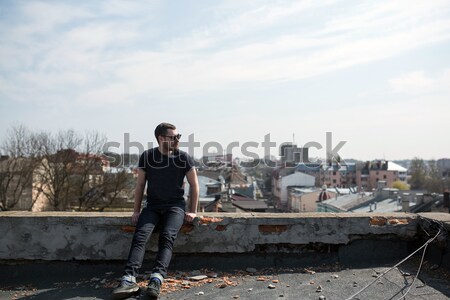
{"type": "Point", "coordinates": [376, 74]}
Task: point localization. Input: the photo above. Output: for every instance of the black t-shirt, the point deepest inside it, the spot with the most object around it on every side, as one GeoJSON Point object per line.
{"type": "Point", "coordinates": [165, 177]}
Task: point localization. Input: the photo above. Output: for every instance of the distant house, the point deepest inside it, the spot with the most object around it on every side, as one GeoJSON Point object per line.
{"type": "Point", "coordinates": [349, 175]}
{"type": "Point", "coordinates": [222, 202]}
{"type": "Point", "coordinates": [443, 165]}
{"type": "Point", "coordinates": [334, 175]}
{"type": "Point", "coordinates": [291, 154]}
{"type": "Point", "coordinates": [280, 185]}
{"type": "Point", "coordinates": [368, 177]}
{"type": "Point", "coordinates": [343, 203]}
{"type": "Point", "coordinates": [394, 200]}
{"type": "Point", "coordinates": [302, 199]}
{"type": "Point", "coordinates": [247, 204]}
{"type": "Point", "coordinates": [230, 178]}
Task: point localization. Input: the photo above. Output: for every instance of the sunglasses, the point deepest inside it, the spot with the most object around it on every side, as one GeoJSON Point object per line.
{"type": "Point", "coordinates": [173, 137]}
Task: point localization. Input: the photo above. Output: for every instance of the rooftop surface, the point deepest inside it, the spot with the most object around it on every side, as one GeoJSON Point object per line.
{"type": "Point", "coordinates": [83, 280]}
{"type": "Point", "coordinates": [240, 256]}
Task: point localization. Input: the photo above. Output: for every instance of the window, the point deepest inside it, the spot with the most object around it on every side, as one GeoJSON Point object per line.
{"type": "Point", "coordinates": [384, 176]}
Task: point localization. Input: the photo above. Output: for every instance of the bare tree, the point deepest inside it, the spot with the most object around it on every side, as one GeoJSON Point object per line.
{"type": "Point", "coordinates": [59, 171]}
{"type": "Point", "coordinates": [16, 168]}
{"type": "Point", "coordinates": [433, 181]}
{"type": "Point", "coordinates": [418, 173]}
{"type": "Point", "coordinates": [87, 173]}
{"type": "Point", "coordinates": [58, 158]}
{"type": "Point", "coordinates": [115, 186]}
{"type": "Point", "coordinates": [92, 185]}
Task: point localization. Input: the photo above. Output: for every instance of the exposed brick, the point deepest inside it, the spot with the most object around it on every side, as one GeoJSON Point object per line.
{"type": "Point", "coordinates": [377, 221]}
{"type": "Point", "coordinates": [128, 228]}
{"type": "Point", "coordinates": [186, 228]}
{"type": "Point", "coordinates": [221, 227]}
{"type": "Point", "coordinates": [394, 221]}
{"type": "Point", "coordinates": [272, 228]}
{"type": "Point", "coordinates": [209, 220]}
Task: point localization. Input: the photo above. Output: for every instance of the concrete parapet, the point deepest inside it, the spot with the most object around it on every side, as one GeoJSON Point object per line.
{"type": "Point", "coordinates": [107, 236]}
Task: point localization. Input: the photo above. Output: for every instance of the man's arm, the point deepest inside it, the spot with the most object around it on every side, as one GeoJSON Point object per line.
{"type": "Point", "coordinates": [191, 177]}
{"type": "Point", "coordinates": [138, 195]}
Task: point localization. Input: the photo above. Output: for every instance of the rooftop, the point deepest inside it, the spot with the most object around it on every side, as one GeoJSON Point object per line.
{"type": "Point", "coordinates": [292, 279]}
{"type": "Point", "coordinates": [345, 202]}
{"type": "Point", "coordinates": [242, 256]}
{"type": "Point", "coordinates": [385, 205]}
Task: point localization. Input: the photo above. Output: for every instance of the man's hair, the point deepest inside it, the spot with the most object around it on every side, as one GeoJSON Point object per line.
{"type": "Point", "coordinates": [162, 128]}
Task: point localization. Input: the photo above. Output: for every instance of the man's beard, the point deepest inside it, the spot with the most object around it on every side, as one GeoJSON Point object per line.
{"type": "Point", "coordinates": [173, 147]}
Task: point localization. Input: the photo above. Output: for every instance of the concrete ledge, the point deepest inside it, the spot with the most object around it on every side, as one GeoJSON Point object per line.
{"type": "Point", "coordinates": [107, 236]}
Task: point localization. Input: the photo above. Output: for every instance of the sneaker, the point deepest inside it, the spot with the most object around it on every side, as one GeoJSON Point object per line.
{"type": "Point", "coordinates": [153, 289]}
{"type": "Point", "coordinates": [125, 290]}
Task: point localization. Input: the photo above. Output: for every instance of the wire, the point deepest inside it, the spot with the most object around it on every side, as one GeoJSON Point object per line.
{"type": "Point", "coordinates": [388, 270]}
{"type": "Point", "coordinates": [423, 256]}
{"type": "Point", "coordinates": [417, 274]}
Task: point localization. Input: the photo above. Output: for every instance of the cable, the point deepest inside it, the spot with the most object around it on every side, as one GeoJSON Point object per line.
{"type": "Point", "coordinates": [385, 272]}
{"type": "Point", "coordinates": [423, 256]}
{"type": "Point", "coordinates": [417, 274]}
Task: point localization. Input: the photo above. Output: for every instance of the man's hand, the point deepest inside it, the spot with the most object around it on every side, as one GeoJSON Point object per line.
{"type": "Point", "coordinates": [135, 217]}
{"type": "Point", "coordinates": [189, 217]}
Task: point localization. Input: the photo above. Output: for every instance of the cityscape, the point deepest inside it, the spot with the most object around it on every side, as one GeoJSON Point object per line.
{"type": "Point", "coordinates": [53, 173]}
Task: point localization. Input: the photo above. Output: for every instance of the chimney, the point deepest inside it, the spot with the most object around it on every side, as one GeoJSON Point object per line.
{"type": "Point", "coordinates": [405, 204]}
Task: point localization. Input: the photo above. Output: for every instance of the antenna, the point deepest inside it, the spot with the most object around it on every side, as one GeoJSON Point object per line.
{"type": "Point", "coordinates": [293, 138]}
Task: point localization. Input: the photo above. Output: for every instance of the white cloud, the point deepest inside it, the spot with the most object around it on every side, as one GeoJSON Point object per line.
{"type": "Point", "coordinates": [386, 17]}
{"type": "Point", "coordinates": [291, 57]}
{"type": "Point", "coordinates": [112, 58]}
{"type": "Point", "coordinates": [241, 24]}
{"type": "Point", "coordinates": [210, 58]}
{"type": "Point", "coordinates": [44, 17]}
{"type": "Point", "coordinates": [417, 82]}
{"type": "Point", "coordinates": [119, 8]}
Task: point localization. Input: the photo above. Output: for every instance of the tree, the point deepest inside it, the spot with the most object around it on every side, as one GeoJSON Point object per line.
{"type": "Point", "coordinates": [433, 183]}
{"type": "Point", "coordinates": [115, 186]}
{"type": "Point", "coordinates": [87, 172]}
{"type": "Point", "coordinates": [401, 185]}
{"type": "Point", "coordinates": [57, 159]}
{"type": "Point", "coordinates": [418, 173]}
{"type": "Point", "coordinates": [58, 171]}
{"type": "Point", "coordinates": [16, 168]}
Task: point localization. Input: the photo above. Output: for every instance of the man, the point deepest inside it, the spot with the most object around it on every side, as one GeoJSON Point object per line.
{"type": "Point", "coordinates": [163, 169]}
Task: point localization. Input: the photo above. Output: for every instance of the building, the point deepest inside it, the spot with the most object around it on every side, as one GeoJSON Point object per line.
{"type": "Point", "coordinates": [304, 199]}
{"type": "Point", "coordinates": [368, 176]}
{"type": "Point", "coordinates": [343, 203]}
{"type": "Point", "coordinates": [291, 154]}
{"type": "Point", "coordinates": [281, 181]}
{"type": "Point", "coordinates": [443, 166]}
{"type": "Point", "coordinates": [351, 175]}
{"type": "Point", "coordinates": [243, 203]}
{"type": "Point", "coordinates": [394, 200]}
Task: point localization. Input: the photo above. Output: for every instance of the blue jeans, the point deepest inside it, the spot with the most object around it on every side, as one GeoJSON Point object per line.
{"type": "Point", "coordinates": [170, 220]}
